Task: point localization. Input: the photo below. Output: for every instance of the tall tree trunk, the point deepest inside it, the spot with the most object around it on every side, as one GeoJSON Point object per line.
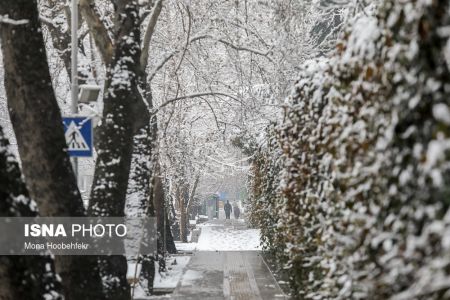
{"type": "Point", "coordinates": [183, 224]}
{"type": "Point", "coordinates": [21, 277]}
{"type": "Point", "coordinates": [170, 242]}
{"type": "Point", "coordinates": [190, 201]}
{"type": "Point", "coordinates": [183, 200]}
{"type": "Point", "coordinates": [37, 123]}
{"type": "Point", "coordinates": [122, 111]}
{"type": "Point", "coordinates": [35, 114]}
{"type": "Point", "coordinates": [164, 231]}
{"type": "Point", "coordinates": [7, 291]}
{"type": "Point", "coordinates": [157, 193]}
{"type": "Point", "coordinates": [139, 190]}
{"type": "Point", "coordinates": [142, 184]}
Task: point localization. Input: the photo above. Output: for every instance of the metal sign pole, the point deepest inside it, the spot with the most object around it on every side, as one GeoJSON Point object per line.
{"type": "Point", "coordinates": [74, 70]}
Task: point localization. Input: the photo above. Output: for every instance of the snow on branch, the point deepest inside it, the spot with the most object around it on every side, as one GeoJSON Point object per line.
{"type": "Point", "coordinates": [98, 29]}
{"type": "Point", "coordinates": [6, 20]}
{"type": "Point", "coordinates": [242, 48]}
{"type": "Point", "coordinates": [149, 33]}
{"type": "Point", "coordinates": [169, 55]}
{"type": "Point", "coordinates": [191, 96]}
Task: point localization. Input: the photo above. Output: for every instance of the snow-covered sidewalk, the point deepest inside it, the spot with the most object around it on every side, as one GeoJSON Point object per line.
{"type": "Point", "coordinates": [227, 275]}
{"type": "Point", "coordinates": [223, 244]}
{"type": "Point", "coordinates": [226, 264]}
{"type": "Point", "coordinates": [224, 235]}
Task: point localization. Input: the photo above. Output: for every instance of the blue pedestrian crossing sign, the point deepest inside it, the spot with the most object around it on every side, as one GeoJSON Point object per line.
{"type": "Point", "coordinates": [78, 133]}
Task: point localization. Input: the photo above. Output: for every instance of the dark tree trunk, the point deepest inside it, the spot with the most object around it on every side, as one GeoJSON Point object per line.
{"type": "Point", "coordinates": [183, 226]}
{"type": "Point", "coordinates": [161, 214]}
{"type": "Point", "coordinates": [27, 277]}
{"type": "Point", "coordinates": [139, 189]}
{"type": "Point", "coordinates": [157, 193]}
{"type": "Point", "coordinates": [140, 186]}
{"type": "Point", "coordinates": [7, 291]}
{"type": "Point", "coordinates": [35, 114]}
{"type": "Point", "coordinates": [170, 243]}
{"type": "Point", "coordinates": [148, 271]}
{"type": "Point", "coordinates": [37, 123]}
{"type": "Point", "coordinates": [115, 133]}
{"type": "Point", "coordinates": [122, 110]}
{"type": "Point", "coordinates": [182, 200]}
{"type": "Point", "coordinates": [21, 277]}
{"type": "Point", "coordinates": [145, 183]}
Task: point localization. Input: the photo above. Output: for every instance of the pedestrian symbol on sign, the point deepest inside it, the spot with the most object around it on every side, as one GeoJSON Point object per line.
{"type": "Point", "coordinates": [74, 138]}
{"type": "Point", "coordinates": [78, 133]}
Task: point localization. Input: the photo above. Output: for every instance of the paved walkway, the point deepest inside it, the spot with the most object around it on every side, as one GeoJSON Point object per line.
{"type": "Point", "coordinates": [234, 275]}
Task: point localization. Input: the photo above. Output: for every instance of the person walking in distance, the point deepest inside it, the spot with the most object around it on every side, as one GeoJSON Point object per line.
{"type": "Point", "coordinates": [227, 208]}
{"type": "Point", "coordinates": [236, 211]}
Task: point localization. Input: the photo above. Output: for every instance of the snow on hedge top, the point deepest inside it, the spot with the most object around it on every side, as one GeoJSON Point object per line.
{"type": "Point", "coordinates": [366, 151]}
{"type": "Point", "coordinates": [361, 42]}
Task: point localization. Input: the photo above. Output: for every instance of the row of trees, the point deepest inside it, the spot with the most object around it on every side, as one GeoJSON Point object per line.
{"type": "Point", "coordinates": [219, 78]}
{"type": "Point", "coordinates": [351, 187]}
{"type": "Point", "coordinates": [36, 119]}
{"type": "Point", "coordinates": [179, 79]}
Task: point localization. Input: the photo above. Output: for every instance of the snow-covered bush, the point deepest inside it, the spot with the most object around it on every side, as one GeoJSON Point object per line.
{"type": "Point", "coordinates": [264, 203]}
{"type": "Point", "coordinates": [364, 197]}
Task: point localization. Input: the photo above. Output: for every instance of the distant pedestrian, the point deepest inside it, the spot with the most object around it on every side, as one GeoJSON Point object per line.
{"type": "Point", "coordinates": [227, 208]}
{"type": "Point", "coordinates": [236, 211]}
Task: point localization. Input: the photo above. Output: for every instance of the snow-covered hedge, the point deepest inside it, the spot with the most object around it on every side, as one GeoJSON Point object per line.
{"type": "Point", "coordinates": [365, 173]}
{"type": "Point", "coordinates": [264, 203]}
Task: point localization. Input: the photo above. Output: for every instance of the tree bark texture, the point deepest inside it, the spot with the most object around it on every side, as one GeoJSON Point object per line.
{"type": "Point", "coordinates": [37, 123]}
{"type": "Point", "coordinates": [183, 196]}
{"type": "Point", "coordinates": [21, 277]}
{"type": "Point", "coordinates": [140, 187]}
{"type": "Point", "coordinates": [115, 138]}
{"type": "Point", "coordinates": [60, 36]}
{"type": "Point", "coordinates": [164, 234]}
{"type": "Point", "coordinates": [35, 114]}
{"type": "Point", "coordinates": [98, 30]}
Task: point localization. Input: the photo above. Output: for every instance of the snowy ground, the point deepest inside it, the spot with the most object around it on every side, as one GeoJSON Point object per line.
{"type": "Point", "coordinates": [217, 237]}
{"type": "Point", "coordinates": [226, 264]}
{"type": "Point", "coordinates": [166, 280]}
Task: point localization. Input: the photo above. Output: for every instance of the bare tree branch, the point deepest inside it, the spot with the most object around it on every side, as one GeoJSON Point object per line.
{"type": "Point", "coordinates": [213, 112]}
{"type": "Point", "coordinates": [169, 55]}
{"type": "Point", "coordinates": [187, 39]}
{"type": "Point", "coordinates": [191, 195]}
{"type": "Point", "coordinates": [149, 34]}
{"type": "Point", "coordinates": [6, 20]}
{"type": "Point", "coordinates": [191, 96]}
{"type": "Point", "coordinates": [241, 48]}
{"type": "Point", "coordinates": [60, 40]}
{"type": "Point", "coordinates": [97, 29]}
